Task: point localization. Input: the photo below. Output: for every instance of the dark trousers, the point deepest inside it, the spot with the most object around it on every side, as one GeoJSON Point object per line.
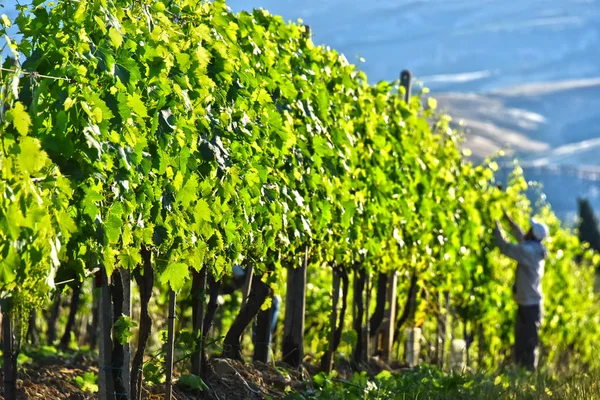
{"type": "Point", "coordinates": [527, 340]}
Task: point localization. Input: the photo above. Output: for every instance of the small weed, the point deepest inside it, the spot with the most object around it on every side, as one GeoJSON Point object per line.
{"type": "Point", "coordinates": [88, 382]}
{"type": "Point", "coordinates": [427, 382]}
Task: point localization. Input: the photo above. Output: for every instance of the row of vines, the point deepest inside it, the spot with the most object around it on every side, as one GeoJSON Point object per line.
{"type": "Point", "coordinates": [162, 143]}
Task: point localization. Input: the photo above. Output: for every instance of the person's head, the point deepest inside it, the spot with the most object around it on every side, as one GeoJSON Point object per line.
{"type": "Point", "coordinates": [538, 231]}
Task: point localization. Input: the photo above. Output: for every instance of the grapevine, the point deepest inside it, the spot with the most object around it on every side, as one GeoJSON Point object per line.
{"type": "Point", "coordinates": [174, 140]}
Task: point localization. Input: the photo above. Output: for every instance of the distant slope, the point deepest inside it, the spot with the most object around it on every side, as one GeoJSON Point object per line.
{"type": "Point", "coordinates": [543, 121]}
{"type": "Point", "coordinates": [552, 128]}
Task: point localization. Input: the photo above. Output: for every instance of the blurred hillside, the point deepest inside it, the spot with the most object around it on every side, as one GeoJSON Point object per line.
{"type": "Point", "coordinates": [553, 129]}
{"type": "Point", "coordinates": [524, 74]}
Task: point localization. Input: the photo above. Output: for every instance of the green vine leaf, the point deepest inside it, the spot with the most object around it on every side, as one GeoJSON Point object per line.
{"type": "Point", "coordinates": [175, 275]}
{"type": "Point", "coordinates": [19, 117]}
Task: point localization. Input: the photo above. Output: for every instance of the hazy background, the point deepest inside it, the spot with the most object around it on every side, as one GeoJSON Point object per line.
{"type": "Point", "coordinates": [524, 74]}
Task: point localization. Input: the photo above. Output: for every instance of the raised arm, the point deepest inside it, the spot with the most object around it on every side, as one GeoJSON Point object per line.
{"type": "Point", "coordinates": [515, 251]}
{"type": "Point", "coordinates": [516, 229]}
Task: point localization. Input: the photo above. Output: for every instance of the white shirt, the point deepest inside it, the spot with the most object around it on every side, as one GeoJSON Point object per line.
{"type": "Point", "coordinates": [530, 256]}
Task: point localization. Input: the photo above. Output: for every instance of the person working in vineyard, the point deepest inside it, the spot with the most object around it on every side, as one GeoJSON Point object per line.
{"type": "Point", "coordinates": [530, 255]}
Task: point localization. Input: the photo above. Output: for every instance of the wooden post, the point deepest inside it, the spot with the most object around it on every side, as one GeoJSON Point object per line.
{"type": "Point", "coordinates": [126, 370]}
{"type": "Point", "coordinates": [329, 357]}
{"type": "Point", "coordinates": [480, 345]}
{"type": "Point", "coordinates": [106, 389]}
{"type": "Point", "coordinates": [293, 331]}
{"type": "Point", "coordinates": [376, 323]}
{"type": "Point", "coordinates": [468, 341]}
{"type": "Point", "coordinates": [360, 281]}
{"type": "Point", "coordinates": [442, 331]}
{"type": "Point", "coordinates": [458, 356]}
{"type": "Point", "coordinates": [413, 346]}
{"type": "Point", "coordinates": [367, 336]}
{"type": "Point", "coordinates": [118, 355]}
{"type": "Point", "coordinates": [307, 32]}
{"type": "Point", "coordinates": [9, 352]}
{"type": "Point", "coordinates": [406, 82]}
{"type": "Point", "coordinates": [93, 332]}
{"type": "Point", "coordinates": [198, 292]}
{"type": "Point", "coordinates": [246, 291]}
{"type": "Point", "coordinates": [390, 318]}
{"type": "Point", "coordinates": [170, 345]}
{"type": "Point", "coordinates": [144, 277]}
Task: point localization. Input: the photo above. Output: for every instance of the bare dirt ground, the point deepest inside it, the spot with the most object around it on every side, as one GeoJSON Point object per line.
{"type": "Point", "coordinates": [53, 378]}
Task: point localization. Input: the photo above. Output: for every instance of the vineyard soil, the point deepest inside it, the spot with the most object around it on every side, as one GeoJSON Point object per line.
{"type": "Point", "coordinates": [52, 377]}
{"type": "Point", "coordinates": [56, 377]}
